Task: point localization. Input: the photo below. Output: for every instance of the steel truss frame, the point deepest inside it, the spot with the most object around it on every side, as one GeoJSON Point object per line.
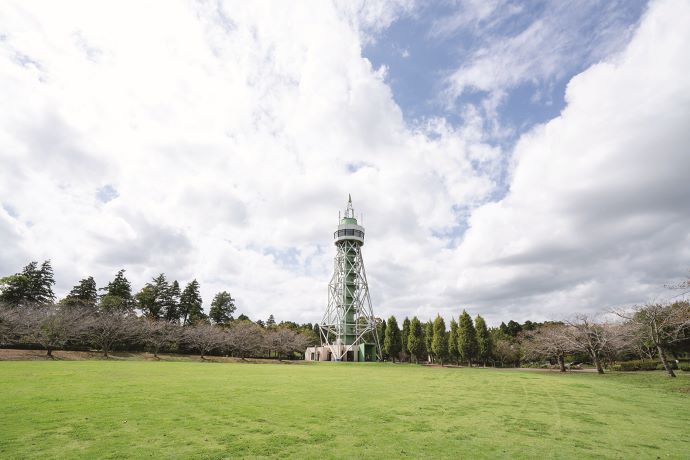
{"type": "Point", "coordinates": [333, 327]}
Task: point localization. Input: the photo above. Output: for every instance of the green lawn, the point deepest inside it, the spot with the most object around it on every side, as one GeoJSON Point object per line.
{"type": "Point", "coordinates": [125, 409]}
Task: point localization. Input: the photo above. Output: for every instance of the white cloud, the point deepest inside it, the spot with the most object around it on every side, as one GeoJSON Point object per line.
{"type": "Point", "coordinates": [559, 39]}
{"type": "Point", "coordinates": [232, 133]}
{"type": "Point", "coordinates": [598, 211]}
{"type": "Point", "coordinates": [225, 136]}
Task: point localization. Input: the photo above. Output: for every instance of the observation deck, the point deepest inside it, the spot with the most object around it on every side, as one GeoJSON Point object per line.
{"type": "Point", "coordinates": [349, 230]}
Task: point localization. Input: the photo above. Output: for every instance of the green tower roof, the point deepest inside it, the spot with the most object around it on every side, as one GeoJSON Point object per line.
{"type": "Point", "coordinates": [349, 217]}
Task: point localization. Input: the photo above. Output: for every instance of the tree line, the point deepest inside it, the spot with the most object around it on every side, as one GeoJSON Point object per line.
{"type": "Point", "coordinates": [159, 317]}
{"type": "Point", "coordinates": [648, 332]}
{"type": "Point", "coordinates": [163, 317]}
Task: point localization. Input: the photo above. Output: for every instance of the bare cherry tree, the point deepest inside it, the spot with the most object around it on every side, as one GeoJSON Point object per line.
{"type": "Point", "coordinates": [52, 326]}
{"type": "Point", "coordinates": [160, 334]}
{"type": "Point", "coordinates": [598, 340]}
{"type": "Point", "coordinates": [659, 326]}
{"type": "Point", "coordinates": [285, 341]}
{"type": "Point", "coordinates": [244, 338]}
{"type": "Point", "coordinates": [9, 325]}
{"type": "Point", "coordinates": [548, 342]}
{"type": "Point", "coordinates": [109, 328]}
{"type": "Point", "coordinates": [204, 337]}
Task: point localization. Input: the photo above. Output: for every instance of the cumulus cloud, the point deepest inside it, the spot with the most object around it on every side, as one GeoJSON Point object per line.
{"type": "Point", "coordinates": [598, 209]}
{"type": "Point", "coordinates": [212, 146]}
{"type": "Point", "coordinates": [221, 143]}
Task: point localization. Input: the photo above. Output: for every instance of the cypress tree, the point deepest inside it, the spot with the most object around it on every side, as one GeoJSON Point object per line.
{"type": "Point", "coordinates": [392, 343]}
{"type": "Point", "coordinates": [428, 340]}
{"type": "Point", "coordinates": [453, 353]}
{"type": "Point", "coordinates": [381, 337]}
{"type": "Point", "coordinates": [415, 340]}
{"type": "Point", "coordinates": [405, 334]}
{"type": "Point", "coordinates": [484, 343]}
{"type": "Point", "coordinates": [439, 343]}
{"type": "Point", "coordinates": [467, 338]}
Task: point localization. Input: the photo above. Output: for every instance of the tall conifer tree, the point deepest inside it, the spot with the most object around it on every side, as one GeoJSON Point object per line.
{"type": "Point", "coordinates": [392, 343]}
{"type": "Point", "coordinates": [118, 294]}
{"type": "Point", "coordinates": [191, 304]}
{"type": "Point", "coordinates": [222, 308]}
{"type": "Point", "coordinates": [405, 335]}
{"type": "Point", "coordinates": [439, 342]}
{"type": "Point", "coordinates": [415, 340]}
{"type": "Point", "coordinates": [453, 353]}
{"type": "Point", "coordinates": [467, 338]}
{"type": "Point", "coordinates": [84, 294]}
{"type": "Point", "coordinates": [381, 336]}
{"type": "Point", "coordinates": [484, 343]}
{"type": "Point", "coordinates": [428, 339]}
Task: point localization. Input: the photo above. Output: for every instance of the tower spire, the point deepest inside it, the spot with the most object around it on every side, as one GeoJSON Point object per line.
{"type": "Point", "coordinates": [349, 210]}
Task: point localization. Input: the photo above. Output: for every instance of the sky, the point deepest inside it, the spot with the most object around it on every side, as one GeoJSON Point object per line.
{"type": "Point", "coordinates": [520, 160]}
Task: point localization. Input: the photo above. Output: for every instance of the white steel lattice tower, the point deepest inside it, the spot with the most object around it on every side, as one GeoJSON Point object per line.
{"type": "Point", "coordinates": [348, 329]}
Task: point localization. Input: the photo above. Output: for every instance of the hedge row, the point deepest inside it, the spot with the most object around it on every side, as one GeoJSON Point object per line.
{"type": "Point", "coordinates": [640, 365]}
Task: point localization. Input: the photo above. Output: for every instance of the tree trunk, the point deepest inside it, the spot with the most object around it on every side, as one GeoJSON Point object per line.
{"type": "Point", "coordinates": [50, 353]}
{"type": "Point", "coordinates": [663, 359]}
{"type": "Point", "coordinates": [561, 363]}
{"type": "Point", "coordinates": [597, 363]}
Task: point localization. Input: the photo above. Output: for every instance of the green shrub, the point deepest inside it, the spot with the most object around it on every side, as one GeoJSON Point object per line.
{"type": "Point", "coordinates": [616, 367]}
{"type": "Point", "coordinates": [685, 367]}
{"type": "Point", "coordinates": [640, 365]}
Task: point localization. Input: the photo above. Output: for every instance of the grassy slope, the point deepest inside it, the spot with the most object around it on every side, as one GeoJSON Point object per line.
{"type": "Point", "coordinates": [208, 410]}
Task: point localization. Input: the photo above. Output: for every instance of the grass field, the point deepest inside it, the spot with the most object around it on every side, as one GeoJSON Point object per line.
{"type": "Point", "coordinates": [125, 409]}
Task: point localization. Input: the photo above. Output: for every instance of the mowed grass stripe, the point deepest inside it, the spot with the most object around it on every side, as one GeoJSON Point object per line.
{"type": "Point", "coordinates": [111, 409]}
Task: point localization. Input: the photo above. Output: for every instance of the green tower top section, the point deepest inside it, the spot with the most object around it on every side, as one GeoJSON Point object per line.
{"type": "Point", "coordinates": [348, 228]}
{"type": "Point", "coordinates": [349, 217]}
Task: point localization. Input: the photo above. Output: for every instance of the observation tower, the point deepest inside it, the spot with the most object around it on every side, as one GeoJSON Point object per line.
{"type": "Point", "coordinates": [348, 328]}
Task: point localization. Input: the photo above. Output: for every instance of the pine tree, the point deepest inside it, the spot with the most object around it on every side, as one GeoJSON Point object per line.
{"type": "Point", "coordinates": [154, 297]}
{"type": "Point", "coordinates": [439, 342]}
{"type": "Point", "coordinates": [42, 287]}
{"type": "Point", "coordinates": [222, 308]}
{"type": "Point", "coordinates": [405, 334]}
{"type": "Point", "coordinates": [415, 340]}
{"type": "Point", "coordinates": [83, 294]}
{"type": "Point", "coordinates": [191, 304]}
{"type": "Point", "coordinates": [171, 310]}
{"type": "Point", "coordinates": [484, 343]}
{"type": "Point", "coordinates": [467, 338]}
{"type": "Point", "coordinates": [118, 294]}
{"type": "Point", "coordinates": [453, 353]}
{"type": "Point", "coordinates": [33, 286]}
{"type": "Point", "coordinates": [392, 343]}
{"type": "Point", "coordinates": [271, 321]}
{"type": "Point", "coordinates": [428, 339]}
